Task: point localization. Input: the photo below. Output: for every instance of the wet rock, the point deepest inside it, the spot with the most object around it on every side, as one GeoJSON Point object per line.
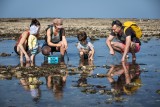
{"type": "Point", "coordinates": [93, 27]}
{"type": "Point", "coordinates": [158, 92]}
{"type": "Point", "coordinates": [18, 74]}
{"type": "Point", "coordinates": [4, 54]}
{"type": "Point", "coordinates": [101, 75]}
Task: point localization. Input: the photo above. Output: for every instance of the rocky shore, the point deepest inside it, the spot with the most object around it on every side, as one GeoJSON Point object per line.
{"type": "Point", "coordinates": [13, 27]}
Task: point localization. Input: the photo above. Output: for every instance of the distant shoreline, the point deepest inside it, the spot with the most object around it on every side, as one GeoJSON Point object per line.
{"type": "Point", "coordinates": [100, 27]}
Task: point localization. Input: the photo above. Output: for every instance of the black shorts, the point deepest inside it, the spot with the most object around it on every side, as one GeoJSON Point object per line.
{"type": "Point", "coordinates": [53, 49]}
{"type": "Point", "coordinates": [15, 49]}
{"type": "Point", "coordinates": [85, 56]}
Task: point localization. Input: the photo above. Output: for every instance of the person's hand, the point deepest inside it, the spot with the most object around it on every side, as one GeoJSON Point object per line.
{"type": "Point", "coordinates": [27, 58]}
{"type": "Point", "coordinates": [90, 59]}
{"type": "Point", "coordinates": [112, 52]}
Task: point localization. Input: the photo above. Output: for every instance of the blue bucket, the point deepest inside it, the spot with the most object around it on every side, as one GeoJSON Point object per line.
{"type": "Point", "coordinates": [53, 60]}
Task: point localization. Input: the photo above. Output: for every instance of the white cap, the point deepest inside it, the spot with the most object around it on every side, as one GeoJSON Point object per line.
{"type": "Point", "coordinates": [34, 30]}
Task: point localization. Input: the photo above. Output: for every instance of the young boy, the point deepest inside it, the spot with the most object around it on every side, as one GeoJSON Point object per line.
{"type": "Point", "coordinates": [33, 43]}
{"type": "Point", "coordinates": [86, 49]}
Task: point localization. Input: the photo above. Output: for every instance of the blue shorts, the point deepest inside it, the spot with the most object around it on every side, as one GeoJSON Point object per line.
{"type": "Point", "coordinates": [34, 51]}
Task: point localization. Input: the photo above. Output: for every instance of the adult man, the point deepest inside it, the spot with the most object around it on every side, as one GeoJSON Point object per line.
{"type": "Point", "coordinates": [55, 39]}
{"type": "Point", "coordinates": [128, 40]}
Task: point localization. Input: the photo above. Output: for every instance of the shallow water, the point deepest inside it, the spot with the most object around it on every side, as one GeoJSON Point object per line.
{"type": "Point", "coordinates": [99, 92]}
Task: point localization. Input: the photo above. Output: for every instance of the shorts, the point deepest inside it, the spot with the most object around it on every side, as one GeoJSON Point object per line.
{"type": "Point", "coordinates": [34, 51]}
{"type": "Point", "coordinates": [85, 56]}
{"type": "Point", "coordinates": [15, 49]}
{"type": "Point", "coordinates": [137, 49]}
{"type": "Point", "coordinates": [53, 49]}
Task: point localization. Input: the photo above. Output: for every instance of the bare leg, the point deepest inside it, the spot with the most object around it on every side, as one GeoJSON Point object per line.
{"type": "Point", "coordinates": [62, 49]}
{"type": "Point", "coordinates": [81, 56]}
{"type": "Point", "coordinates": [117, 46]}
{"type": "Point", "coordinates": [21, 59]}
{"type": "Point", "coordinates": [90, 55]}
{"type": "Point", "coordinates": [32, 59]}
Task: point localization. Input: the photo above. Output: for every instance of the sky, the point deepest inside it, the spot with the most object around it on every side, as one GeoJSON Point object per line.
{"type": "Point", "coordinates": [80, 9]}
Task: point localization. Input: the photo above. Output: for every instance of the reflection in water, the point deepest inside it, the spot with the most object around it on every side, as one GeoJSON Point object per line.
{"type": "Point", "coordinates": [56, 83]}
{"type": "Point", "coordinates": [32, 84]}
{"type": "Point", "coordinates": [56, 75]}
{"type": "Point", "coordinates": [87, 67]}
{"type": "Point", "coordinates": [128, 78]}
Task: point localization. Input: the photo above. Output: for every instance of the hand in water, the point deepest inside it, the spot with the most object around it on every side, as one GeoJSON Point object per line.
{"type": "Point", "coordinates": [27, 58]}
{"type": "Point", "coordinates": [112, 52]}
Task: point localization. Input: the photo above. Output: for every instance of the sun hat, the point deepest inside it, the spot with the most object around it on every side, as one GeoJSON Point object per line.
{"type": "Point", "coordinates": [58, 22]}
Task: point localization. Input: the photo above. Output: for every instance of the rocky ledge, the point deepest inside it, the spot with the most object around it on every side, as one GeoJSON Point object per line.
{"type": "Point", "coordinates": [13, 27]}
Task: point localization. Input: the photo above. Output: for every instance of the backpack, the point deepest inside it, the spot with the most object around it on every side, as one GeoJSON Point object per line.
{"type": "Point", "coordinates": [135, 28]}
{"type": "Point", "coordinates": [51, 30]}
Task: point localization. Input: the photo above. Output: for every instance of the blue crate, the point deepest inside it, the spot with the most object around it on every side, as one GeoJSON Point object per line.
{"type": "Point", "coordinates": [53, 60]}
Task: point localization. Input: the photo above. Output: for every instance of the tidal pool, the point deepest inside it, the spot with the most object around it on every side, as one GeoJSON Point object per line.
{"type": "Point", "coordinates": [103, 82]}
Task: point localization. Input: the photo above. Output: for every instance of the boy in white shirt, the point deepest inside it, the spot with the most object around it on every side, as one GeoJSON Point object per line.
{"type": "Point", "coordinates": [86, 49]}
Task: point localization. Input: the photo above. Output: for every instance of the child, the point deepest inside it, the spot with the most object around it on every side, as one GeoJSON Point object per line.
{"type": "Point", "coordinates": [86, 49]}
{"type": "Point", "coordinates": [21, 46]}
{"type": "Point", "coordinates": [32, 42]}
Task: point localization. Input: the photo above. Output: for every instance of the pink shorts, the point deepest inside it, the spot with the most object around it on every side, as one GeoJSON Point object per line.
{"type": "Point", "coordinates": [136, 50]}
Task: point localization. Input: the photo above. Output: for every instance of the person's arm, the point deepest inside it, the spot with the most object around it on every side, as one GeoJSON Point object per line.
{"type": "Point", "coordinates": [64, 38]}
{"type": "Point", "coordinates": [108, 42]}
{"type": "Point", "coordinates": [79, 47]}
{"type": "Point", "coordinates": [128, 42]}
{"type": "Point", "coordinates": [22, 42]}
{"type": "Point", "coordinates": [49, 40]}
{"type": "Point", "coordinates": [64, 42]}
{"type": "Point", "coordinates": [92, 50]}
{"type": "Point", "coordinates": [126, 73]}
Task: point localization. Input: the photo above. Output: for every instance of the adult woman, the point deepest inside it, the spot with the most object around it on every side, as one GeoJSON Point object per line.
{"type": "Point", "coordinates": [21, 46]}
{"type": "Point", "coordinates": [55, 39]}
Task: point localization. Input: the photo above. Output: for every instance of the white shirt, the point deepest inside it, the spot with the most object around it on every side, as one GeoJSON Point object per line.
{"type": "Point", "coordinates": [88, 46]}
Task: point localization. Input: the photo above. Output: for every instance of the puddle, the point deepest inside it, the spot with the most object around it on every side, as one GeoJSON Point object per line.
{"type": "Point", "coordinates": [100, 83]}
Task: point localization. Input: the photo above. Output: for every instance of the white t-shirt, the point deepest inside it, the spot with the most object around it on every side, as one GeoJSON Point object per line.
{"type": "Point", "coordinates": [88, 46]}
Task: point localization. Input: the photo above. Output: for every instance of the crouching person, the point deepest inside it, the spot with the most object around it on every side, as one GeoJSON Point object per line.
{"type": "Point", "coordinates": [55, 40]}
{"type": "Point", "coordinates": [86, 49]}
{"type": "Point", "coordinates": [128, 42]}
{"type": "Point", "coordinates": [33, 42]}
